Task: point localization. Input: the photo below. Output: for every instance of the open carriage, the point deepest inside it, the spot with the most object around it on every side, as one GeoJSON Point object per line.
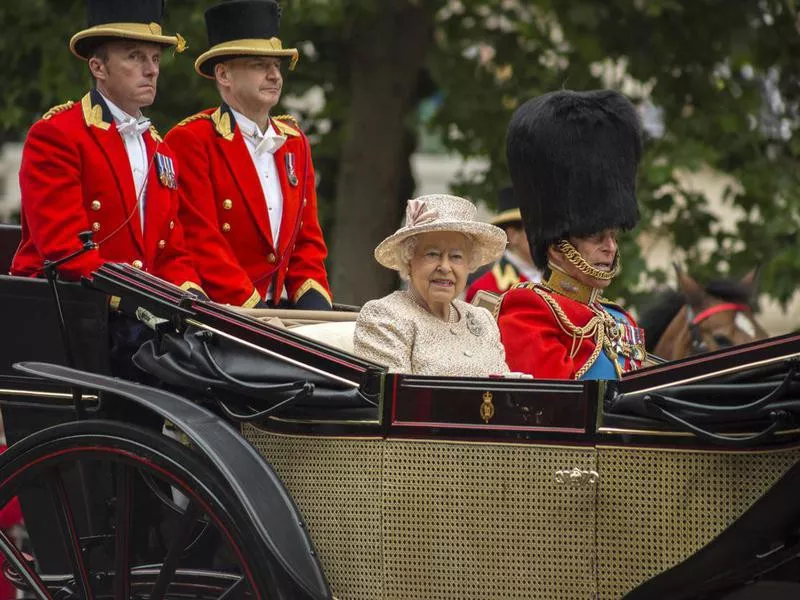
{"type": "Point", "coordinates": [240, 459]}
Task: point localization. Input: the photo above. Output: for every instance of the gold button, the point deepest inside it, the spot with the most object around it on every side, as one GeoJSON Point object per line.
{"type": "Point", "coordinates": [271, 258]}
{"type": "Point", "coordinates": [227, 204]}
{"type": "Point", "coordinates": [95, 226]}
{"type": "Point", "coordinates": [162, 244]}
{"type": "Point", "coordinates": [226, 227]}
{"type": "Point", "coordinates": [172, 224]}
{"type": "Point", "coordinates": [96, 205]}
{"type": "Point", "coordinates": [137, 264]}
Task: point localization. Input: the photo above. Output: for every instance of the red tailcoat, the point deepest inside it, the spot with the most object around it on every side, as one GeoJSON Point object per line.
{"type": "Point", "coordinates": [225, 214]}
{"type": "Point", "coordinates": [536, 339]}
{"type": "Point", "coordinates": [76, 176]}
{"type": "Point", "coordinates": [497, 280]}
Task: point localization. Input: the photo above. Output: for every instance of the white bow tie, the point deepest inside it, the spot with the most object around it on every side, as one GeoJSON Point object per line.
{"type": "Point", "coordinates": [133, 127]}
{"type": "Point", "coordinates": [269, 142]}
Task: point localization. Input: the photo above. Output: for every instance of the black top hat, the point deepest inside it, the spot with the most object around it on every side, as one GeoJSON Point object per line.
{"type": "Point", "coordinates": [242, 28]}
{"type": "Point", "coordinates": [122, 19]}
{"type": "Point", "coordinates": [507, 208]}
{"type": "Point", "coordinates": [573, 158]}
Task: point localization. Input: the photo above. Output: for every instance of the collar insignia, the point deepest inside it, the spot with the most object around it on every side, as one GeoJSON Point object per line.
{"type": "Point", "coordinates": [504, 275]}
{"type": "Point", "coordinates": [95, 111]}
{"type": "Point", "coordinates": [223, 122]}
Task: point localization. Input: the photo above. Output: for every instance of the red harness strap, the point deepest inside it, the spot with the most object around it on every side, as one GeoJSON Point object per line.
{"type": "Point", "coordinates": [718, 308]}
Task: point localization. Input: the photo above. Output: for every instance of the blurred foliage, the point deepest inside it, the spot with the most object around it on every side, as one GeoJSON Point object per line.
{"type": "Point", "coordinates": [721, 78]}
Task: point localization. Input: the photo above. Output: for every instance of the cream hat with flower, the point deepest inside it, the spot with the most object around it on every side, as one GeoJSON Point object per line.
{"type": "Point", "coordinates": [442, 212]}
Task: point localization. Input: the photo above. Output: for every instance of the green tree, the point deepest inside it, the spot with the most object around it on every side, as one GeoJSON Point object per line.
{"type": "Point", "coordinates": [724, 75]}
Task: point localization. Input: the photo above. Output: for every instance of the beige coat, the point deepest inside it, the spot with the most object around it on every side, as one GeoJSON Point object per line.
{"type": "Point", "coordinates": [396, 332]}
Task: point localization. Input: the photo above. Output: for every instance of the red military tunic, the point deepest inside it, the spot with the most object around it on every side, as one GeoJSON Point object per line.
{"type": "Point", "coordinates": [76, 176]}
{"type": "Point", "coordinates": [553, 336]}
{"type": "Point", "coordinates": [225, 214]}
{"type": "Point", "coordinates": [496, 280]}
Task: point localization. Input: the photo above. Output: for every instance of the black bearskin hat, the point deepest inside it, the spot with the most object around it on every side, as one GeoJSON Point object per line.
{"type": "Point", "coordinates": [573, 158]}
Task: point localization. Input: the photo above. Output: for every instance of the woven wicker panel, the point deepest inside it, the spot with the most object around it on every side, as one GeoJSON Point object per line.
{"type": "Point", "coordinates": [336, 483]}
{"type": "Point", "coordinates": [656, 508]}
{"type": "Point", "coordinates": [486, 521]}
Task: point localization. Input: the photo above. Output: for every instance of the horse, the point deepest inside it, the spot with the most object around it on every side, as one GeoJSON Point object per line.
{"type": "Point", "coordinates": [696, 319]}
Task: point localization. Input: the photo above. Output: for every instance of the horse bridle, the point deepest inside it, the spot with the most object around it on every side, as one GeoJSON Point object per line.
{"type": "Point", "coordinates": [693, 321]}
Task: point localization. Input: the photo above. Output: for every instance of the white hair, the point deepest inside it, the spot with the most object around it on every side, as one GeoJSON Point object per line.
{"type": "Point", "coordinates": [409, 246]}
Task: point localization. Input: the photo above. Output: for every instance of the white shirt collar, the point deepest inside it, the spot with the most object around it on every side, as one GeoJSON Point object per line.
{"type": "Point", "coordinates": [120, 116]}
{"type": "Point", "coordinates": [269, 141]}
{"type": "Point", "coordinates": [249, 127]}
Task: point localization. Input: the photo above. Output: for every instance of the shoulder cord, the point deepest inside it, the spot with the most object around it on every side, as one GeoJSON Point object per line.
{"type": "Point", "coordinates": [594, 329]}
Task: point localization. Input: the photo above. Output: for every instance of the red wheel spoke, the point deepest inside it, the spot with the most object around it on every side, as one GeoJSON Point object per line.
{"type": "Point", "coordinates": [66, 521]}
{"type": "Point", "coordinates": [122, 568]}
{"type": "Point", "coordinates": [14, 556]}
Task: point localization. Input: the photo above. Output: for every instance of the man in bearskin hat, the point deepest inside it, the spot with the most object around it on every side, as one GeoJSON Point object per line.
{"type": "Point", "coordinates": [247, 181]}
{"type": "Point", "coordinates": [573, 158]}
{"type": "Point", "coordinates": [98, 165]}
{"type": "Point", "coordinates": [516, 264]}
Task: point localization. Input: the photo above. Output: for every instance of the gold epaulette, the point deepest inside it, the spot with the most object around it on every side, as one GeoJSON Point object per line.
{"type": "Point", "coordinates": [523, 285]}
{"type": "Point", "coordinates": [285, 128]}
{"type": "Point", "coordinates": [288, 118]}
{"type": "Point", "coordinates": [57, 109]}
{"type": "Point", "coordinates": [194, 117]}
{"type": "Point", "coordinates": [155, 134]}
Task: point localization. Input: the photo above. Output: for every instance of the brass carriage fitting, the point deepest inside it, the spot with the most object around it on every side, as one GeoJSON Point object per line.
{"type": "Point", "coordinates": [576, 477]}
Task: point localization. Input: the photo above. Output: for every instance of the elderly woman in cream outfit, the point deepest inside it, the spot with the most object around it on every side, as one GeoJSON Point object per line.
{"type": "Point", "coordinates": [426, 330]}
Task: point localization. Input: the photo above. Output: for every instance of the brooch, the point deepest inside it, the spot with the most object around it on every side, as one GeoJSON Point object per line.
{"type": "Point", "coordinates": [475, 328]}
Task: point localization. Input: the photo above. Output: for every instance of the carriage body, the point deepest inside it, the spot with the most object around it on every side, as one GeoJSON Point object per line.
{"type": "Point", "coordinates": [398, 486]}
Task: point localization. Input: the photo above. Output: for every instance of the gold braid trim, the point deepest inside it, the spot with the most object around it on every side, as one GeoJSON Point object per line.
{"type": "Point", "coordinates": [254, 299]}
{"type": "Point", "coordinates": [156, 136]}
{"type": "Point", "coordinates": [191, 118]}
{"type": "Point", "coordinates": [596, 329]}
{"type": "Point", "coordinates": [576, 260]}
{"type": "Point", "coordinates": [593, 329]}
{"type": "Point", "coordinates": [57, 109]}
{"type": "Point", "coordinates": [288, 118]}
{"type": "Point", "coordinates": [308, 285]}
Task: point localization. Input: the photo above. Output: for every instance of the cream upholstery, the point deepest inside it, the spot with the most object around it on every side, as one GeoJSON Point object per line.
{"type": "Point", "coordinates": [336, 334]}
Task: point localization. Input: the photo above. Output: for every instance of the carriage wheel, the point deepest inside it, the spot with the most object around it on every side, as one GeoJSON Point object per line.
{"type": "Point", "coordinates": [116, 511]}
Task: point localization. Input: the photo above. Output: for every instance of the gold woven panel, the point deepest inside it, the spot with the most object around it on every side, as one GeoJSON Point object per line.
{"type": "Point", "coordinates": [657, 507]}
{"type": "Point", "coordinates": [422, 520]}
{"type": "Point", "coordinates": [486, 521]}
{"type": "Point", "coordinates": [337, 485]}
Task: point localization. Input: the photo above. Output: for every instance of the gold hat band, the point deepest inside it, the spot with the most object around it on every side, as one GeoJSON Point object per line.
{"type": "Point", "coordinates": [148, 32]}
{"type": "Point", "coordinates": [247, 47]}
{"type": "Point", "coordinates": [507, 216]}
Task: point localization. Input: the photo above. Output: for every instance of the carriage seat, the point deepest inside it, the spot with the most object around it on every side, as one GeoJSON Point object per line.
{"type": "Point", "coordinates": [332, 327]}
{"type": "Point", "coordinates": [336, 334]}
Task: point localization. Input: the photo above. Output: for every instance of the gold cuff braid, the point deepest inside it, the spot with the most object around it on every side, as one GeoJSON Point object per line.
{"type": "Point", "coordinates": [576, 260]}
{"type": "Point", "coordinates": [310, 284]}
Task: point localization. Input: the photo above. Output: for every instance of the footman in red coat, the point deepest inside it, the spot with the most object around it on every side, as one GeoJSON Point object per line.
{"type": "Point", "coordinates": [246, 178]}
{"type": "Point", "coordinates": [573, 158]}
{"type": "Point", "coordinates": [98, 165]}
